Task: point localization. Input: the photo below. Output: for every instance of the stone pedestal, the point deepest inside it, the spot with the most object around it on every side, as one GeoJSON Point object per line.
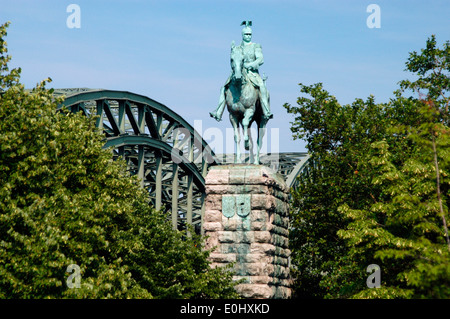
{"type": "Point", "coordinates": [246, 220]}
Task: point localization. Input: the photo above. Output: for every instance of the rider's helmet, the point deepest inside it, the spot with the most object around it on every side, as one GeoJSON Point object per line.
{"type": "Point", "coordinates": [246, 31]}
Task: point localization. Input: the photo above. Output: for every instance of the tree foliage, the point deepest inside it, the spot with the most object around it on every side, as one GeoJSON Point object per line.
{"type": "Point", "coordinates": [64, 201]}
{"type": "Point", "coordinates": [374, 195]}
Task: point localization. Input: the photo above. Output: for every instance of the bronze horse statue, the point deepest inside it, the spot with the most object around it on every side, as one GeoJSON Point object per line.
{"type": "Point", "coordinates": [244, 106]}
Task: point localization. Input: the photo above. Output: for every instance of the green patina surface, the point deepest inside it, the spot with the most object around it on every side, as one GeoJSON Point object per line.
{"type": "Point", "coordinates": [228, 205]}
{"type": "Point", "coordinates": [239, 204]}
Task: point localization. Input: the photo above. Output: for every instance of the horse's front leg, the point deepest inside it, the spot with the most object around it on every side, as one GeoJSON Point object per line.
{"type": "Point", "coordinates": [237, 137]}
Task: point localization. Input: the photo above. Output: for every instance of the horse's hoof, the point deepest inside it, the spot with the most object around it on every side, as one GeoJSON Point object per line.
{"type": "Point", "coordinates": [214, 116]}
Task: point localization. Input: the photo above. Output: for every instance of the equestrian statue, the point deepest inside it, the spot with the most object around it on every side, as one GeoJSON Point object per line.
{"type": "Point", "coordinates": [245, 94]}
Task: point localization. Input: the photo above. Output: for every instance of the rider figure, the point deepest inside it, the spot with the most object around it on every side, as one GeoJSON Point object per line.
{"type": "Point", "coordinates": [253, 58]}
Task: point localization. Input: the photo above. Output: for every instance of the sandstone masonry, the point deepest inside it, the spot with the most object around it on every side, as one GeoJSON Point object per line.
{"type": "Point", "coordinates": [246, 222]}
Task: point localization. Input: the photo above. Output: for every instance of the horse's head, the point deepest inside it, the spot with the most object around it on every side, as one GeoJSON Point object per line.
{"type": "Point", "coordinates": [237, 61]}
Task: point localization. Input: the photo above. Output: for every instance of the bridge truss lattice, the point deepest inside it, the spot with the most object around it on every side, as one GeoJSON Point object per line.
{"type": "Point", "coordinates": [163, 150]}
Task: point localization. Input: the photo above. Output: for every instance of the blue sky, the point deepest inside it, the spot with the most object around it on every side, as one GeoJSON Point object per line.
{"type": "Point", "coordinates": [177, 52]}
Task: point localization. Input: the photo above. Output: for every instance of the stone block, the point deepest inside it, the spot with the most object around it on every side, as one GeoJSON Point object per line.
{"type": "Point", "coordinates": [222, 258]}
{"type": "Point", "coordinates": [258, 226]}
{"type": "Point", "coordinates": [280, 206]}
{"type": "Point", "coordinates": [258, 216]}
{"type": "Point", "coordinates": [243, 224]}
{"type": "Point", "coordinates": [213, 202]}
{"type": "Point", "coordinates": [280, 272]}
{"type": "Point", "coordinates": [254, 291]}
{"type": "Point", "coordinates": [253, 189]}
{"type": "Point", "coordinates": [282, 292]}
{"type": "Point", "coordinates": [219, 189]}
{"type": "Point", "coordinates": [285, 273]}
{"type": "Point", "coordinates": [245, 236]}
{"type": "Point", "coordinates": [280, 230]}
{"type": "Point", "coordinates": [274, 179]}
{"type": "Point", "coordinates": [212, 216]}
{"type": "Point", "coordinates": [286, 252]}
{"type": "Point", "coordinates": [237, 176]}
{"type": "Point", "coordinates": [254, 269]}
{"type": "Point", "coordinates": [261, 202]}
{"type": "Point", "coordinates": [226, 236]}
{"type": "Point", "coordinates": [262, 236]}
{"type": "Point", "coordinates": [217, 177]}
{"type": "Point", "coordinates": [254, 176]}
{"type": "Point", "coordinates": [212, 240]}
{"type": "Point", "coordinates": [214, 226]}
{"type": "Point", "coordinates": [262, 248]}
{"type": "Point", "coordinates": [260, 279]}
{"type": "Point", "coordinates": [280, 241]}
{"type": "Point", "coordinates": [229, 223]}
{"type": "Point", "coordinates": [228, 248]}
{"type": "Point", "coordinates": [242, 249]}
{"type": "Point", "coordinates": [255, 258]}
{"type": "Point", "coordinates": [279, 194]}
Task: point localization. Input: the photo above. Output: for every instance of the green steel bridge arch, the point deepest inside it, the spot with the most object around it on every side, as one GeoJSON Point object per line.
{"type": "Point", "coordinates": [160, 147]}
{"type": "Point", "coordinates": [163, 150]}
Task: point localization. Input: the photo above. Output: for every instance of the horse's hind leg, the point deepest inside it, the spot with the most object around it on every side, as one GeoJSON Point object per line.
{"type": "Point", "coordinates": [251, 148]}
{"type": "Point", "coordinates": [248, 115]}
{"type": "Point", "coordinates": [237, 138]}
{"type": "Point", "coordinates": [261, 133]}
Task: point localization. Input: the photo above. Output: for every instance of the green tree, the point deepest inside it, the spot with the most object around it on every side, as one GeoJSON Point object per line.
{"type": "Point", "coordinates": [338, 140]}
{"type": "Point", "coordinates": [407, 229]}
{"type": "Point", "coordinates": [344, 143]}
{"type": "Point", "coordinates": [63, 201]}
{"type": "Point", "coordinates": [170, 265]}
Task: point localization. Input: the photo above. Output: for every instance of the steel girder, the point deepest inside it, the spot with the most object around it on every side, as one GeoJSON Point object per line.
{"type": "Point", "coordinates": [164, 151]}
{"type": "Point", "coordinates": [293, 166]}
{"type": "Point", "coordinates": [160, 147]}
